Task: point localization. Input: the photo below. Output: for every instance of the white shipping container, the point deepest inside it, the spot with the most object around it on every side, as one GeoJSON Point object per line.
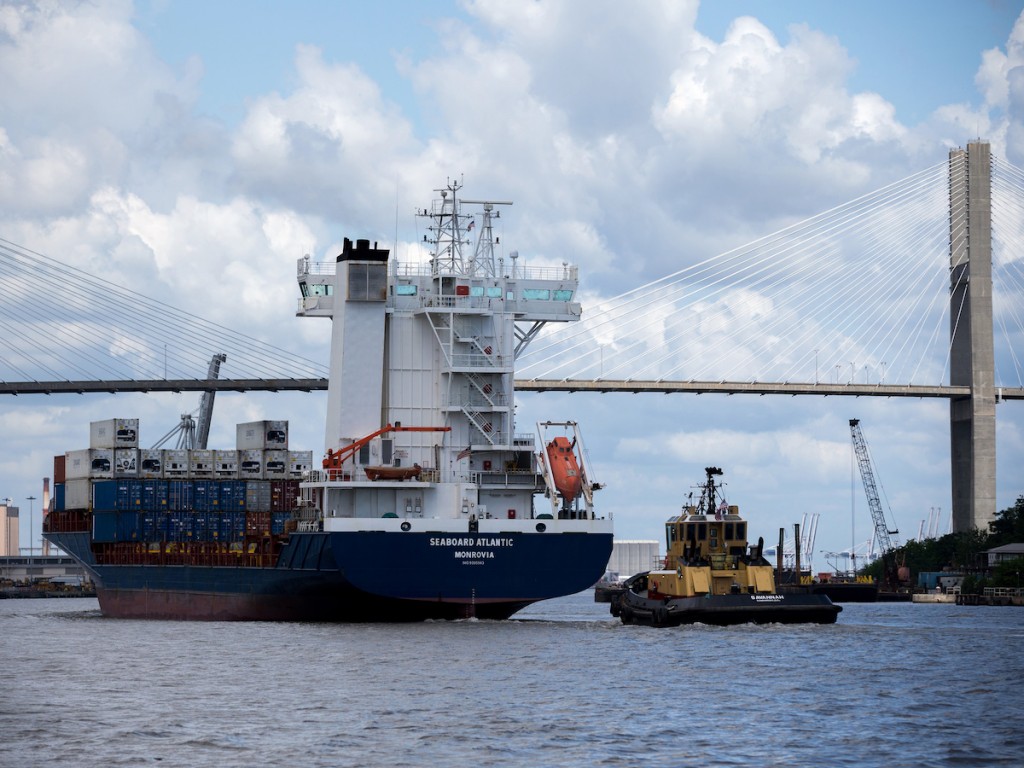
{"type": "Point", "coordinates": [126, 462]}
{"type": "Point", "coordinates": [299, 462]}
{"type": "Point", "coordinates": [176, 463]}
{"type": "Point", "coordinates": [250, 465]}
{"type": "Point", "coordinates": [114, 433]}
{"type": "Point", "coordinates": [275, 465]}
{"type": "Point", "coordinates": [78, 494]}
{"type": "Point", "coordinates": [200, 463]}
{"type": "Point", "coordinates": [225, 464]}
{"type": "Point", "coordinates": [262, 435]}
{"type": "Point", "coordinates": [89, 462]}
{"type": "Point", "coordinates": [151, 463]}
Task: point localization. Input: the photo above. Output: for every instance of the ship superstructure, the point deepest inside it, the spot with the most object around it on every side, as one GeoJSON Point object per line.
{"type": "Point", "coordinates": [426, 352]}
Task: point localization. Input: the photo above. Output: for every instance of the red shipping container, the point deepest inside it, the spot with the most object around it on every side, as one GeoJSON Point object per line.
{"type": "Point", "coordinates": [58, 469]}
{"type": "Point", "coordinates": [257, 523]}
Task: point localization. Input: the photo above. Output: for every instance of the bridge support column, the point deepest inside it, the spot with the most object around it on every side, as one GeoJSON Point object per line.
{"type": "Point", "coordinates": [972, 418]}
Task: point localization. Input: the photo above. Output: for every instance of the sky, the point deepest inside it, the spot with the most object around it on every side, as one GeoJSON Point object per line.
{"type": "Point", "coordinates": [192, 150]}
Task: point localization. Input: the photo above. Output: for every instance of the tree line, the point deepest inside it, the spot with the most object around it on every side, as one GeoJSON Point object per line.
{"type": "Point", "coordinates": [965, 552]}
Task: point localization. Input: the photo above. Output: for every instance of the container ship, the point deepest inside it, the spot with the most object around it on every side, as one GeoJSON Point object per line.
{"type": "Point", "coordinates": [426, 503]}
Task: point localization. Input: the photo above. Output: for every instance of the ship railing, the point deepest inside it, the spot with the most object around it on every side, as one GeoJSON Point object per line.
{"type": "Point", "coordinates": [473, 398]}
{"type": "Point", "coordinates": [317, 267]}
{"type": "Point", "coordinates": [352, 474]}
{"type": "Point", "coordinates": [480, 361]}
{"type": "Point", "coordinates": [723, 562]}
{"type": "Point", "coordinates": [514, 272]}
{"type": "Point", "coordinates": [513, 478]}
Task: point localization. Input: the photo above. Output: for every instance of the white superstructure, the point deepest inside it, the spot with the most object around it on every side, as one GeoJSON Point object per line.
{"type": "Point", "coordinates": [421, 389]}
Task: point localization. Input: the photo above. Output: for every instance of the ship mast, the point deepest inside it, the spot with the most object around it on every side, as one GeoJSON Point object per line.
{"type": "Point", "coordinates": [449, 234]}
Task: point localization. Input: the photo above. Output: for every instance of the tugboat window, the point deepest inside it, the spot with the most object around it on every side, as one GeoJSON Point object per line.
{"type": "Point", "coordinates": [728, 531]}
{"type": "Point", "coordinates": [741, 531]}
{"type": "Point", "coordinates": [702, 531]}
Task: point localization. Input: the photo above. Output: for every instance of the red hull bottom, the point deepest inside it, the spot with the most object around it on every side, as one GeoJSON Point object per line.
{"type": "Point", "coordinates": [219, 606]}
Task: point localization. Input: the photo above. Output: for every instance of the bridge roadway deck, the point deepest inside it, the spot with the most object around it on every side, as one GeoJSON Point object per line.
{"type": "Point", "coordinates": [524, 385]}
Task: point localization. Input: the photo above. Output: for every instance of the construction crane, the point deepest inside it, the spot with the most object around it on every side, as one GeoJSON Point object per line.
{"type": "Point", "coordinates": [884, 538]}
{"type": "Point", "coordinates": [192, 434]}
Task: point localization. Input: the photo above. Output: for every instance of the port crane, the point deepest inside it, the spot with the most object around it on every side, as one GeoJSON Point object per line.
{"type": "Point", "coordinates": [885, 538]}
{"type": "Point", "coordinates": [194, 434]}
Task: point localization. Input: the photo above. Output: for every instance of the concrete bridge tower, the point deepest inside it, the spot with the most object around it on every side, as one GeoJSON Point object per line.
{"type": "Point", "coordinates": [972, 418]}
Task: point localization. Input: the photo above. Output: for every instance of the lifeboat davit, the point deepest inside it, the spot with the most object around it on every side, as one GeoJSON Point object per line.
{"type": "Point", "coordinates": [565, 469]}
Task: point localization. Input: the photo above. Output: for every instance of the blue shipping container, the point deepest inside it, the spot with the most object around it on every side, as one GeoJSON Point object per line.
{"type": "Point", "coordinates": [180, 496]}
{"type": "Point", "coordinates": [104, 526]}
{"type": "Point", "coordinates": [129, 526]}
{"type": "Point", "coordinates": [179, 526]}
{"type": "Point", "coordinates": [277, 521]}
{"type": "Point", "coordinates": [232, 494]}
{"type": "Point", "coordinates": [232, 526]}
{"type": "Point", "coordinates": [154, 494]}
{"type": "Point", "coordinates": [207, 495]}
{"type": "Point", "coordinates": [58, 497]}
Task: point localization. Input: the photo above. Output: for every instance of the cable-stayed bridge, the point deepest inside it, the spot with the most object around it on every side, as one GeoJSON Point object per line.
{"type": "Point", "coordinates": [915, 290]}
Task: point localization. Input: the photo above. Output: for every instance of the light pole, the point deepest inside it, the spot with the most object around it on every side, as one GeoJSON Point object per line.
{"type": "Point", "coordinates": [31, 505]}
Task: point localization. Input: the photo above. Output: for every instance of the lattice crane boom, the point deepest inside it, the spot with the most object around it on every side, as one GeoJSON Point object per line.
{"type": "Point", "coordinates": [883, 536]}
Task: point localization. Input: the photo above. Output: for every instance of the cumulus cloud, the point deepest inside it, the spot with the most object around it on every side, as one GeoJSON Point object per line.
{"type": "Point", "coordinates": [333, 146]}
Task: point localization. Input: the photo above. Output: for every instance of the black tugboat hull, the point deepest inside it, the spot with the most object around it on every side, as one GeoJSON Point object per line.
{"type": "Point", "coordinates": [725, 610]}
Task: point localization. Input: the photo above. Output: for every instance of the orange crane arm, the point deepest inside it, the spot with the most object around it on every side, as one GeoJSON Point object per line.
{"type": "Point", "coordinates": [335, 459]}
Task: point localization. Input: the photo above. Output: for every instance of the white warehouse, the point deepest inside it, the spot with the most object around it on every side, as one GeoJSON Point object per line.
{"type": "Point", "coordinates": [631, 556]}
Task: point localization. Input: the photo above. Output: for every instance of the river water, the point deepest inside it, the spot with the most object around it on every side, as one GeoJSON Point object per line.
{"type": "Point", "coordinates": [562, 684]}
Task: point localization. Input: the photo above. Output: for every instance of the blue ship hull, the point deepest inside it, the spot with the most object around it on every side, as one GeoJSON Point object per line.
{"type": "Point", "coordinates": [357, 576]}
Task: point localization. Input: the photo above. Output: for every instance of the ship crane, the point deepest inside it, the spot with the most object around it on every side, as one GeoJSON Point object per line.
{"type": "Point", "coordinates": [884, 537]}
{"type": "Point", "coordinates": [194, 434]}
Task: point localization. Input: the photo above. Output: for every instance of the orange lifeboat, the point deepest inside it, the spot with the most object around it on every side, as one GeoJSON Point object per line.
{"type": "Point", "coordinates": [565, 469]}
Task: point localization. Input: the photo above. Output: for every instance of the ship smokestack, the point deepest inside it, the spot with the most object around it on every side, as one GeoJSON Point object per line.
{"type": "Point", "coordinates": [46, 512]}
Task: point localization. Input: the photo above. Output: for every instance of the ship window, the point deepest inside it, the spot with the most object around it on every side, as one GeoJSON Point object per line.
{"type": "Point", "coordinates": [316, 289]}
{"type": "Point", "coordinates": [536, 293]}
{"type": "Point", "coordinates": [741, 531]}
{"type": "Point", "coordinates": [510, 295]}
{"type": "Point", "coordinates": [494, 292]}
{"type": "Point", "coordinates": [702, 531]}
{"type": "Point", "coordinates": [476, 290]}
{"type": "Point", "coordinates": [563, 295]}
{"type": "Point", "coordinates": [405, 290]}
{"type": "Point", "coordinates": [729, 531]}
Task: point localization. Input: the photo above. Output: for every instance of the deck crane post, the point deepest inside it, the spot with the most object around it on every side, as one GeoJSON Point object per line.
{"type": "Point", "coordinates": [206, 402]}
{"type": "Point", "coordinates": [192, 434]}
{"type": "Point", "coordinates": [884, 537]}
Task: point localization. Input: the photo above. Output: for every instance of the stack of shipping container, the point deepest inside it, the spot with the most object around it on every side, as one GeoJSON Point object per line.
{"type": "Point", "coordinates": [158, 496]}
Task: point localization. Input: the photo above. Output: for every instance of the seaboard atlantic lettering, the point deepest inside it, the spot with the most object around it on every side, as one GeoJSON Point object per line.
{"type": "Point", "coordinates": [472, 541]}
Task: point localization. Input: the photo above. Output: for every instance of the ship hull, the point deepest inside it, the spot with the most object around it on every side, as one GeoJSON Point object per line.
{"type": "Point", "coordinates": [356, 576]}
{"type": "Point", "coordinates": [725, 610]}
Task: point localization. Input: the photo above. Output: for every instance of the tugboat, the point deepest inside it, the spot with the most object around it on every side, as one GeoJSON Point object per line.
{"type": "Point", "coordinates": [712, 575]}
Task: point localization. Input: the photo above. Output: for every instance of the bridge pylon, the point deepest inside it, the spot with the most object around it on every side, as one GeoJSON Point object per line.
{"type": "Point", "coordinates": [972, 417]}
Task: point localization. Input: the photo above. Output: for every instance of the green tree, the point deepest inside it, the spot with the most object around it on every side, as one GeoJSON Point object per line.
{"type": "Point", "coordinates": [1008, 527]}
{"type": "Point", "coordinates": [1008, 574]}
